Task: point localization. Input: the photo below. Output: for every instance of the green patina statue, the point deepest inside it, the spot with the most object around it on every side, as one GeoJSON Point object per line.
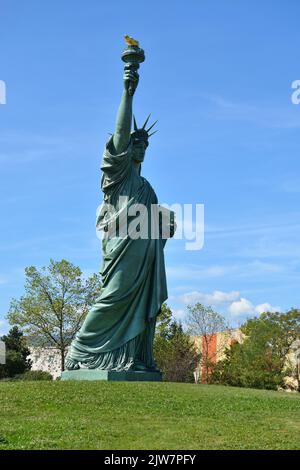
{"type": "Point", "coordinates": [118, 332]}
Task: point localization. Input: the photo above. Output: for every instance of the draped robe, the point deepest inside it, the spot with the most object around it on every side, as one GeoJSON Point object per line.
{"type": "Point", "coordinates": [119, 327]}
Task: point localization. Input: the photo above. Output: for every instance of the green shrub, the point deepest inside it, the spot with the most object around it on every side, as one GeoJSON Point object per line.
{"type": "Point", "coordinates": [243, 367]}
{"type": "Point", "coordinates": [34, 375]}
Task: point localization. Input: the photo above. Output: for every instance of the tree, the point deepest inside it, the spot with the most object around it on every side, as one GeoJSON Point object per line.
{"type": "Point", "coordinates": [262, 360]}
{"type": "Point", "coordinates": [56, 301]}
{"type": "Point", "coordinates": [205, 322]}
{"type": "Point", "coordinates": [164, 319]}
{"type": "Point", "coordinates": [16, 354]}
{"type": "Point", "coordinates": [278, 332]}
{"type": "Point", "coordinates": [174, 352]}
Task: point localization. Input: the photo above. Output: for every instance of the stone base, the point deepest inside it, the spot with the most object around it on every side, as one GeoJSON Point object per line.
{"type": "Point", "coordinates": [111, 375]}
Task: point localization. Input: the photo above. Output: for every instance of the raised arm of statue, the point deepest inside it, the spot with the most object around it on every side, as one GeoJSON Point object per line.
{"type": "Point", "coordinates": [121, 135]}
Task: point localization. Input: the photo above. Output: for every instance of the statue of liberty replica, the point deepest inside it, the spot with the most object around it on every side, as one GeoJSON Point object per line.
{"type": "Point", "coordinates": [115, 341]}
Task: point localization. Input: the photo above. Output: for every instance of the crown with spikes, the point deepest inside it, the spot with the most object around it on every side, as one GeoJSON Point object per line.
{"type": "Point", "coordinates": [143, 133]}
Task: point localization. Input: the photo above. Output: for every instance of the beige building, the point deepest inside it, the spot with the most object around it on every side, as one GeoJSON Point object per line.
{"type": "Point", "coordinates": [212, 349]}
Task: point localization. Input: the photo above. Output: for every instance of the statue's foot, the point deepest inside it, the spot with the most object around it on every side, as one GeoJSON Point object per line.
{"type": "Point", "coordinates": [71, 364]}
{"type": "Point", "coordinates": [141, 366]}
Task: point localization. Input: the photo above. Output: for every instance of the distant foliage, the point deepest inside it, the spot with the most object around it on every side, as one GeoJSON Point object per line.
{"type": "Point", "coordinates": [16, 354]}
{"type": "Point", "coordinates": [174, 352]}
{"type": "Point", "coordinates": [262, 360]}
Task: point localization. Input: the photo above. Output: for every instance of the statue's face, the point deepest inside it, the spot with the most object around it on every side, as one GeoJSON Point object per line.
{"type": "Point", "coordinates": [139, 149]}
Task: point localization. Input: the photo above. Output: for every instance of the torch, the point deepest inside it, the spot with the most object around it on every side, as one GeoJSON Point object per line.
{"type": "Point", "coordinates": [133, 56]}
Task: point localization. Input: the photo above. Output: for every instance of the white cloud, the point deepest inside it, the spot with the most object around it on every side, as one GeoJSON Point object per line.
{"type": "Point", "coordinates": [215, 298]}
{"type": "Point", "coordinates": [240, 307]}
{"type": "Point", "coordinates": [266, 307]}
{"type": "Point", "coordinates": [262, 267]}
{"type": "Point", "coordinates": [244, 306]}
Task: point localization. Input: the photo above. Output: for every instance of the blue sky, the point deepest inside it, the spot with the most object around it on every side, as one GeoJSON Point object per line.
{"type": "Point", "coordinates": [218, 77]}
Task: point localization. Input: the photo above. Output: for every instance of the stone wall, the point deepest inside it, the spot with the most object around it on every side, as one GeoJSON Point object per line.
{"type": "Point", "coordinates": [46, 359]}
{"type": "Point", "coordinates": [2, 352]}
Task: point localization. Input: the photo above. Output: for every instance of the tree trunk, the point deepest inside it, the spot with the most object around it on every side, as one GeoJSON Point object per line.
{"type": "Point", "coordinates": [62, 357]}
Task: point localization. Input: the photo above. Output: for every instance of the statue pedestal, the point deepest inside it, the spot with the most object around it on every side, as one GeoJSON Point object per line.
{"type": "Point", "coordinates": [111, 375]}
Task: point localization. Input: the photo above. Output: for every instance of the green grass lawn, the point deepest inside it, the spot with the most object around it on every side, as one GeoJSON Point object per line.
{"type": "Point", "coordinates": [141, 415]}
